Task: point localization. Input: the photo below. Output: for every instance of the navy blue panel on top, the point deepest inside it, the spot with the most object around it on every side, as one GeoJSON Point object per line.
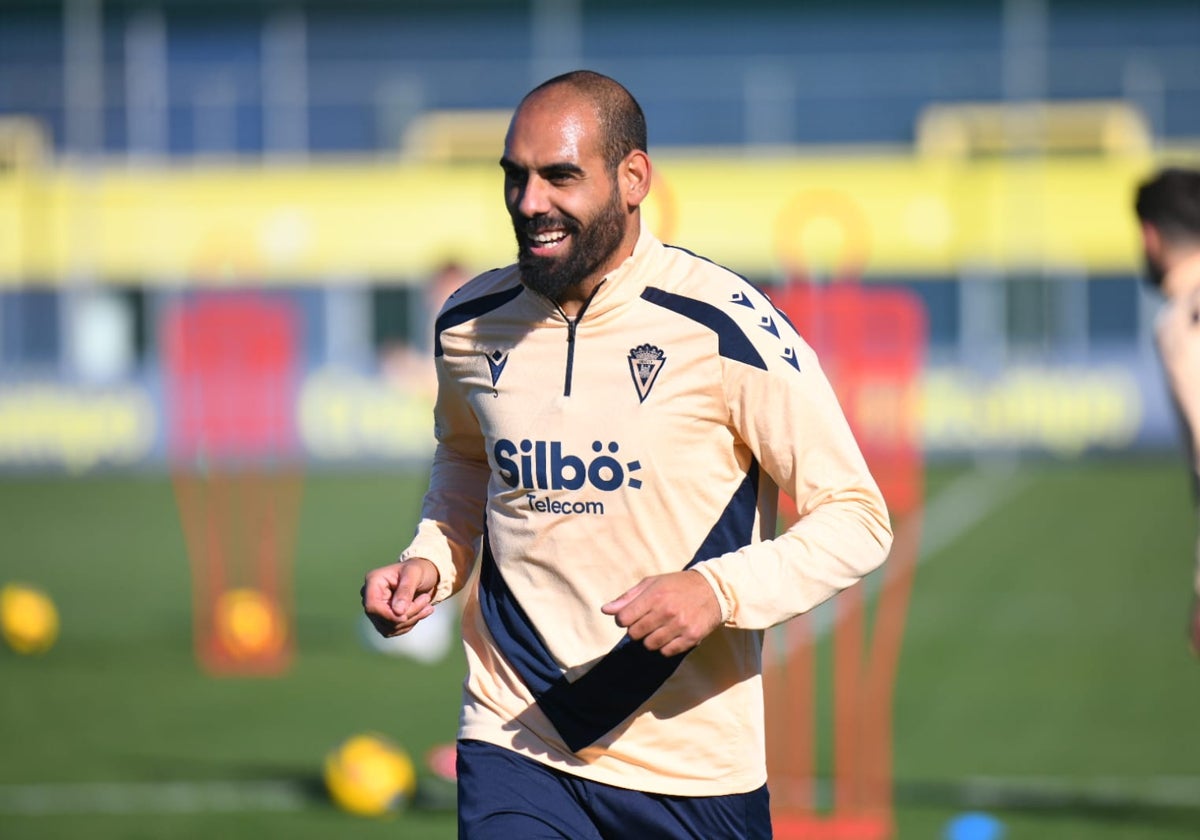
{"type": "Point", "coordinates": [511, 628]}
{"type": "Point", "coordinates": [611, 691]}
{"type": "Point", "coordinates": [731, 341]}
{"type": "Point", "coordinates": [628, 675]}
{"type": "Point", "coordinates": [469, 310]}
{"type": "Point", "coordinates": [735, 527]}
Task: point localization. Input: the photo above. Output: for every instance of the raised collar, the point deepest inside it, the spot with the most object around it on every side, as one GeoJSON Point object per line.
{"type": "Point", "coordinates": [626, 281]}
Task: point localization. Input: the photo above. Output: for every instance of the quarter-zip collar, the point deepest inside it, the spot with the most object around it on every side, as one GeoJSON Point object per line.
{"type": "Point", "coordinates": [622, 284]}
{"type": "Point", "coordinates": [572, 326]}
{"type": "Point", "coordinates": [626, 281]}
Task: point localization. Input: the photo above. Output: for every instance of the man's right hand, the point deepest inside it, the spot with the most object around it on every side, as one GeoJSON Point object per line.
{"type": "Point", "coordinates": [396, 597]}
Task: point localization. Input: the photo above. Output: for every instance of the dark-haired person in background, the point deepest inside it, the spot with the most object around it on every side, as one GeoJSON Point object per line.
{"type": "Point", "coordinates": [1168, 207]}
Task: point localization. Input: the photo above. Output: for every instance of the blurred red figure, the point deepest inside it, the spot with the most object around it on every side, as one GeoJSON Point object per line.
{"type": "Point", "coordinates": [872, 343]}
{"type": "Point", "coordinates": [230, 380]}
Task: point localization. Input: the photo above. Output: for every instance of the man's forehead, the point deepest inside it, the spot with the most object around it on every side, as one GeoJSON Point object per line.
{"type": "Point", "coordinates": [557, 126]}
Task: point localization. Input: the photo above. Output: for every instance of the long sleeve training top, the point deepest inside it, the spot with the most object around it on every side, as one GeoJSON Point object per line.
{"type": "Point", "coordinates": [648, 435]}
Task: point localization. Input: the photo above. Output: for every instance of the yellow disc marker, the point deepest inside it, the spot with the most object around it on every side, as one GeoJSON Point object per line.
{"type": "Point", "coordinates": [370, 776]}
{"type": "Point", "coordinates": [28, 619]}
{"type": "Point", "coordinates": [248, 623]}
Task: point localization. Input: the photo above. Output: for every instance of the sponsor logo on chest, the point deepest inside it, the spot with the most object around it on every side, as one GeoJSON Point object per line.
{"type": "Point", "coordinates": [534, 465]}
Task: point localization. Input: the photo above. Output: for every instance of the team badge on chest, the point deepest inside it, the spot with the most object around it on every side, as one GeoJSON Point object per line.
{"type": "Point", "coordinates": [645, 361]}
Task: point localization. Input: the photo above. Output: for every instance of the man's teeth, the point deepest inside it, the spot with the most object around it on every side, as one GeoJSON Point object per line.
{"type": "Point", "coordinates": [549, 238]}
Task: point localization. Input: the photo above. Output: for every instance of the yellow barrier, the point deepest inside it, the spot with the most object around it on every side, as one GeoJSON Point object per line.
{"type": "Point", "coordinates": [1072, 126]}
{"type": "Point", "coordinates": [396, 221]}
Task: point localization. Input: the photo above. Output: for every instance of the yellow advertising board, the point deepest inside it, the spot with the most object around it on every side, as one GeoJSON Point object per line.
{"type": "Point", "coordinates": [343, 416]}
{"type": "Point", "coordinates": [389, 221]}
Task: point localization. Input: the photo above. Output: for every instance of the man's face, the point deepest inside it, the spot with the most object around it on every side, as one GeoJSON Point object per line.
{"type": "Point", "coordinates": [567, 210]}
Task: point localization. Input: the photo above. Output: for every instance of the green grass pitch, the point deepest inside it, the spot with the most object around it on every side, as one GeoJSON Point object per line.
{"type": "Point", "coordinates": [1044, 677]}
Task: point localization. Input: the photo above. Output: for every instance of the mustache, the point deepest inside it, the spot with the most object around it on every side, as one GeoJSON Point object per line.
{"type": "Point", "coordinates": [540, 224]}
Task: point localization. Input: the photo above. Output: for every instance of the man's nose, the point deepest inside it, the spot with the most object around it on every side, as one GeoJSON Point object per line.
{"type": "Point", "coordinates": [534, 198]}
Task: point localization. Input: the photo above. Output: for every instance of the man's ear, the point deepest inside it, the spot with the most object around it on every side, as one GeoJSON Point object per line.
{"type": "Point", "coordinates": [634, 175]}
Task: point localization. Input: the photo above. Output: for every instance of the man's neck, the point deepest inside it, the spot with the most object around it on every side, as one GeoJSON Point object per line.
{"type": "Point", "coordinates": [577, 296]}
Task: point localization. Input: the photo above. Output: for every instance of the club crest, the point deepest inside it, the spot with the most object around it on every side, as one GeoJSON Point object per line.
{"type": "Point", "coordinates": [645, 361]}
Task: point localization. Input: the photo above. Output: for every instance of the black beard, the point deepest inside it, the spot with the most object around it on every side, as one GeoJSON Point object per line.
{"type": "Point", "coordinates": [592, 244]}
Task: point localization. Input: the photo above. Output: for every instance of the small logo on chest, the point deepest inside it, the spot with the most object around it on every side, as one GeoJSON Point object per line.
{"type": "Point", "coordinates": [496, 362]}
{"type": "Point", "coordinates": [645, 361]}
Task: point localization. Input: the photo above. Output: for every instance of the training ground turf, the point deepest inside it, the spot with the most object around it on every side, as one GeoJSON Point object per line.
{"type": "Point", "coordinates": [1044, 677]}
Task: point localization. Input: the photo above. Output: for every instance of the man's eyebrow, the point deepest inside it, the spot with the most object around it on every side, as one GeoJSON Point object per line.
{"type": "Point", "coordinates": [563, 168]}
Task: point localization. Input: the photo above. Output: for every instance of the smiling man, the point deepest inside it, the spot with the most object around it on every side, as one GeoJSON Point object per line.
{"type": "Point", "coordinates": [574, 213]}
{"type": "Point", "coordinates": [615, 418]}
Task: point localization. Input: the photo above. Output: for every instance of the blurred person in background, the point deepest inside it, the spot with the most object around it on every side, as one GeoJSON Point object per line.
{"type": "Point", "coordinates": [615, 418]}
{"type": "Point", "coordinates": [407, 364]}
{"type": "Point", "coordinates": [1168, 207]}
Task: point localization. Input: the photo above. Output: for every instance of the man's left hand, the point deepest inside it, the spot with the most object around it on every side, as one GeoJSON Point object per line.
{"type": "Point", "coordinates": [669, 613]}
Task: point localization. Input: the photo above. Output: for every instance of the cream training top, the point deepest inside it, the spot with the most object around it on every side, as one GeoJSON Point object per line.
{"type": "Point", "coordinates": [649, 435]}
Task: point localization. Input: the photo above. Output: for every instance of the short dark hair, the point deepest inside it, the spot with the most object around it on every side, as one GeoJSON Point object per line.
{"type": "Point", "coordinates": [620, 116]}
{"type": "Point", "coordinates": [1170, 202]}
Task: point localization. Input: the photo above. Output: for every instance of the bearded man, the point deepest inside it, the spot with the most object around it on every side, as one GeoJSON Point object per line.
{"type": "Point", "coordinates": [615, 419]}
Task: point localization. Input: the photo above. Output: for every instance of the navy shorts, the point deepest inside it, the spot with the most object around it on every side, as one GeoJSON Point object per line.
{"type": "Point", "coordinates": [503, 796]}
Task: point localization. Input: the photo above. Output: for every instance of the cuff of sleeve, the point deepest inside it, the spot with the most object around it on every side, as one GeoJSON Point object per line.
{"type": "Point", "coordinates": [444, 566]}
{"type": "Point", "coordinates": [724, 598]}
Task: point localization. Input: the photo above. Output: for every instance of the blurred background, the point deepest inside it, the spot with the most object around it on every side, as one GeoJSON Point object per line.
{"type": "Point", "coordinates": [308, 180]}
